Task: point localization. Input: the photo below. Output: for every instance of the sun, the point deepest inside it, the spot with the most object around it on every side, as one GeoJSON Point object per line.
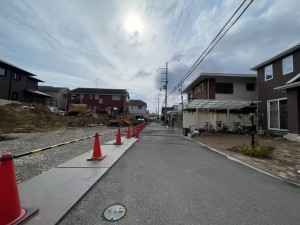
{"type": "Point", "coordinates": [133, 24]}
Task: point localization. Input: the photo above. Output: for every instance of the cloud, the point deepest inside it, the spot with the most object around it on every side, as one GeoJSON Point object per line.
{"type": "Point", "coordinates": [74, 44]}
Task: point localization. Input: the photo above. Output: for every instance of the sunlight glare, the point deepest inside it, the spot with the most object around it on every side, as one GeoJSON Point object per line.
{"type": "Point", "coordinates": [133, 24]}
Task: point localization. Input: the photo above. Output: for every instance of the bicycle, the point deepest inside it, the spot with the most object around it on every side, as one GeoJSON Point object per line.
{"type": "Point", "coordinates": [222, 127]}
{"type": "Point", "coordinates": [209, 127]}
{"type": "Point", "coordinates": [238, 128]}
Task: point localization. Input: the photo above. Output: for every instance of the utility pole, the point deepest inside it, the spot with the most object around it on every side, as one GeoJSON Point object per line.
{"type": "Point", "coordinates": [158, 109]}
{"type": "Point", "coordinates": [166, 95]}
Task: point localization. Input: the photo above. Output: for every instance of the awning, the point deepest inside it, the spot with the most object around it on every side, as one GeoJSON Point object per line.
{"type": "Point", "coordinates": [37, 92]}
{"type": "Point", "coordinates": [290, 84]}
{"type": "Point", "coordinates": [218, 104]}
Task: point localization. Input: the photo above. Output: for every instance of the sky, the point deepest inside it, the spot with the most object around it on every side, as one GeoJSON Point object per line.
{"type": "Point", "coordinates": [125, 44]}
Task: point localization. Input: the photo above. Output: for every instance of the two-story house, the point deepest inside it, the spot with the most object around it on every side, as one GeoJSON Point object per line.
{"type": "Point", "coordinates": [216, 97]}
{"type": "Point", "coordinates": [100, 98]}
{"type": "Point", "coordinates": [17, 84]}
{"type": "Point", "coordinates": [278, 81]}
{"type": "Point", "coordinates": [58, 96]}
{"type": "Point", "coordinates": [137, 108]}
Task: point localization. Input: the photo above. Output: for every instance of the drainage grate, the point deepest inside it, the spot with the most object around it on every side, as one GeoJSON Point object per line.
{"type": "Point", "coordinates": [114, 212]}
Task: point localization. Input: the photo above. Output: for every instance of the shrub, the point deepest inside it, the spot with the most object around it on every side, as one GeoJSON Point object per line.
{"type": "Point", "coordinates": [258, 151]}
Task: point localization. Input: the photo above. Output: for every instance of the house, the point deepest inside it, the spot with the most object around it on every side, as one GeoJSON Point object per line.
{"type": "Point", "coordinates": [17, 84]}
{"type": "Point", "coordinates": [222, 97]}
{"type": "Point", "coordinates": [100, 98]}
{"type": "Point", "coordinates": [137, 108]}
{"type": "Point", "coordinates": [58, 96]}
{"type": "Point", "coordinates": [278, 82]}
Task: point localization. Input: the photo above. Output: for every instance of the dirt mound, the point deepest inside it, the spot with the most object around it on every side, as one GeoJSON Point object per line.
{"type": "Point", "coordinates": [28, 118]}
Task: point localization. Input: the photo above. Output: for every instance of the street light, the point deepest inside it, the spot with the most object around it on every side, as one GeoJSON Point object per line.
{"type": "Point", "coordinates": [252, 106]}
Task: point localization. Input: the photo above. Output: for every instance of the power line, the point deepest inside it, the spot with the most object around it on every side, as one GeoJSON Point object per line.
{"type": "Point", "coordinates": [206, 52]}
{"type": "Point", "coordinates": [176, 29]}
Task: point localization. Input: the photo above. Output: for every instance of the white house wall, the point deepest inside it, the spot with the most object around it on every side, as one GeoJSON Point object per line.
{"type": "Point", "coordinates": [136, 110]}
{"type": "Point", "coordinates": [239, 89]}
{"type": "Point", "coordinates": [198, 119]}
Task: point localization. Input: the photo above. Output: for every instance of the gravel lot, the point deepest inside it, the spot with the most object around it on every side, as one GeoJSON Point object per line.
{"type": "Point", "coordinates": [32, 165]}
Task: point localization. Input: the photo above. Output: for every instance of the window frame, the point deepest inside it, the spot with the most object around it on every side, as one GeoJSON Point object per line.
{"type": "Point", "coordinates": [226, 90]}
{"type": "Point", "coordinates": [265, 72]}
{"type": "Point", "coordinates": [278, 116]}
{"type": "Point", "coordinates": [16, 76]}
{"type": "Point", "coordinates": [4, 72]}
{"type": "Point", "coordinates": [285, 63]}
{"type": "Point", "coordinates": [248, 85]}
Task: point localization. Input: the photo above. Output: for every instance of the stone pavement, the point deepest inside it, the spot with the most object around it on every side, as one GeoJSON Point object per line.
{"type": "Point", "coordinates": [285, 159]}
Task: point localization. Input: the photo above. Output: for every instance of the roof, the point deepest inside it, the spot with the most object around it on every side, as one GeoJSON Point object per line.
{"type": "Point", "coordinates": [30, 74]}
{"type": "Point", "coordinates": [135, 102]}
{"type": "Point", "coordinates": [99, 91]}
{"type": "Point", "coordinates": [278, 56]}
{"type": "Point", "coordinates": [202, 76]}
{"type": "Point", "coordinates": [51, 88]}
{"type": "Point", "coordinates": [33, 78]}
{"type": "Point", "coordinates": [292, 83]}
{"type": "Point", "coordinates": [37, 92]}
{"type": "Point", "coordinates": [218, 104]}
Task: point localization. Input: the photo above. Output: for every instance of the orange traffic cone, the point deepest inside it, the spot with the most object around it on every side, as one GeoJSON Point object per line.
{"type": "Point", "coordinates": [128, 133]}
{"type": "Point", "coordinates": [137, 135]}
{"type": "Point", "coordinates": [118, 138]}
{"type": "Point", "coordinates": [97, 150]}
{"type": "Point", "coordinates": [10, 205]}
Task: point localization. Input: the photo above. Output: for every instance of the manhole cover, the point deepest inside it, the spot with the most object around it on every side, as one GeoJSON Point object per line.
{"type": "Point", "coordinates": [114, 212]}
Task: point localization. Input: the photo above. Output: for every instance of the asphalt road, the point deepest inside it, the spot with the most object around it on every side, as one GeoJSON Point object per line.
{"type": "Point", "coordinates": [168, 179]}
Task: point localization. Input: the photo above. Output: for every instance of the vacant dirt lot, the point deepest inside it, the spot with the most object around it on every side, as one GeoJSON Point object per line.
{"type": "Point", "coordinates": [28, 118]}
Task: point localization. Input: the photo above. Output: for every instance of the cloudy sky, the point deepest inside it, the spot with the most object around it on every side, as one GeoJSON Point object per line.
{"type": "Point", "coordinates": [122, 43]}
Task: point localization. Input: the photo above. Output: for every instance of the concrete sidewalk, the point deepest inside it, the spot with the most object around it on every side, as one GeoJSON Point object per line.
{"type": "Point", "coordinates": [57, 190]}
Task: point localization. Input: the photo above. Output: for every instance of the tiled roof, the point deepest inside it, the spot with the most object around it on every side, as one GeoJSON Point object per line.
{"type": "Point", "coordinates": [99, 91]}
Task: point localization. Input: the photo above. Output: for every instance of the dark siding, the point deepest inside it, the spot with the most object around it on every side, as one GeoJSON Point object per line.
{"type": "Point", "coordinates": [293, 111]}
{"type": "Point", "coordinates": [266, 88]}
{"type": "Point", "coordinates": [209, 85]}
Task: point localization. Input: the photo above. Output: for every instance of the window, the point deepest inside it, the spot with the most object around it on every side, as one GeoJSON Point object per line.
{"type": "Point", "coordinates": [140, 107]}
{"type": "Point", "coordinates": [287, 65]}
{"type": "Point", "coordinates": [277, 114]}
{"type": "Point", "coordinates": [199, 88]}
{"type": "Point", "coordinates": [96, 96]}
{"type": "Point", "coordinates": [101, 101]}
{"type": "Point", "coordinates": [2, 72]}
{"type": "Point", "coordinates": [16, 76]}
{"type": "Point", "coordinates": [91, 96]}
{"type": "Point", "coordinates": [224, 88]}
{"type": "Point", "coordinates": [116, 97]}
{"type": "Point", "coordinates": [250, 87]}
{"type": "Point", "coordinates": [14, 95]}
{"type": "Point", "coordinates": [269, 72]}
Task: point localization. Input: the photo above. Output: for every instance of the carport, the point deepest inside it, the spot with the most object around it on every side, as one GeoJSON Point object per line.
{"type": "Point", "coordinates": [227, 105]}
